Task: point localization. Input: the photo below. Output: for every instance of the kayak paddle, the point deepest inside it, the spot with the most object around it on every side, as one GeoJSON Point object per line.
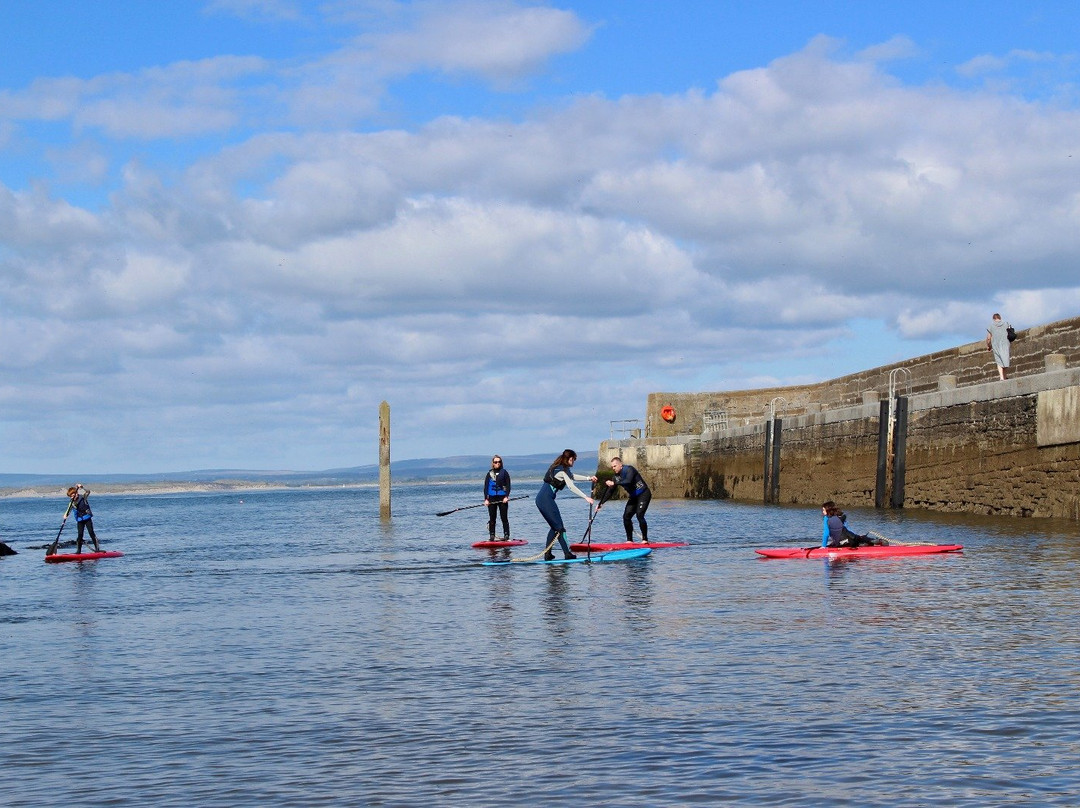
{"type": "Point", "coordinates": [480, 505]}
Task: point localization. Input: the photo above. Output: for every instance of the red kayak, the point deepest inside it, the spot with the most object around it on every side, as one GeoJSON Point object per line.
{"type": "Point", "coordinates": [500, 543]}
{"type": "Point", "coordinates": [56, 559]}
{"type": "Point", "coordinates": [873, 551]}
{"type": "Point", "coordinates": [597, 547]}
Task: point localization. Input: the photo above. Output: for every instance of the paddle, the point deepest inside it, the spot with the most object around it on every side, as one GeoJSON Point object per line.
{"type": "Point", "coordinates": [889, 541]}
{"type": "Point", "coordinates": [587, 538]}
{"type": "Point", "coordinates": [480, 505]}
{"type": "Point", "coordinates": [56, 541]}
{"type": "Point", "coordinates": [546, 550]}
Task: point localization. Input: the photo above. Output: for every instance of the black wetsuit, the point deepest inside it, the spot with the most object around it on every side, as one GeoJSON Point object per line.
{"type": "Point", "coordinates": [497, 492]}
{"type": "Point", "coordinates": [639, 498]}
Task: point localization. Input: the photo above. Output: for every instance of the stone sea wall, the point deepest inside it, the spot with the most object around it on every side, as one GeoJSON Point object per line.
{"type": "Point", "coordinates": [964, 365]}
{"type": "Point", "coordinates": [973, 444]}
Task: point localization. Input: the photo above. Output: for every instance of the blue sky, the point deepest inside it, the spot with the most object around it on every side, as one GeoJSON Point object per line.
{"type": "Point", "coordinates": [230, 228]}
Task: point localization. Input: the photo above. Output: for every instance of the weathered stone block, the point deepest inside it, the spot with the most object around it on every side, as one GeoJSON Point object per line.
{"type": "Point", "coordinates": [1058, 418]}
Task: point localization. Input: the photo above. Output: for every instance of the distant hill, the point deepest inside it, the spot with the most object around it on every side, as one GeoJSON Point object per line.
{"type": "Point", "coordinates": [440, 469]}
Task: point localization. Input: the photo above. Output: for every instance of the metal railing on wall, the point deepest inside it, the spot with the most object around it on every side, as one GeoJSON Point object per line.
{"type": "Point", "coordinates": [714, 421]}
{"type": "Point", "coordinates": [625, 428]}
{"type": "Point", "coordinates": [773, 425]}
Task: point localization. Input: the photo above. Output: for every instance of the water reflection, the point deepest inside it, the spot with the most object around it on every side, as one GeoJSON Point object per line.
{"type": "Point", "coordinates": [555, 597]}
{"type": "Point", "coordinates": [634, 595]}
{"type": "Point", "coordinates": [316, 656]}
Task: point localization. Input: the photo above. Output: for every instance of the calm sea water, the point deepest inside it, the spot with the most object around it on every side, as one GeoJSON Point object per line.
{"type": "Point", "coordinates": [288, 648]}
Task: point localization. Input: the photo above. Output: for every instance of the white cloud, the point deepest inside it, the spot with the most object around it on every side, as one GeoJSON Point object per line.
{"type": "Point", "coordinates": [499, 41]}
{"type": "Point", "coordinates": [989, 63]}
{"type": "Point", "coordinates": [485, 269]}
{"type": "Point", "coordinates": [899, 47]}
{"type": "Point", "coordinates": [178, 100]}
{"type": "Point", "coordinates": [142, 281]}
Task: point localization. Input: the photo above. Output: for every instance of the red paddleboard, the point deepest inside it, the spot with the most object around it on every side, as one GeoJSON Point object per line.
{"type": "Point", "coordinates": [500, 543]}
{"type": "Point", "coordinates": [597, 547]}
{"type": "Point", "coordinates": [56, 559]}
{"type": "Point", "coordinates": [873, 551]}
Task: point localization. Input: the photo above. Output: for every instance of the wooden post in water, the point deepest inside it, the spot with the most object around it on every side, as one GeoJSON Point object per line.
{"type": "Point", "coordinates": [774, 494]}
{"type": "Point", "coordinates": [384, 461]}
{"type": "Point", "coordinates": [899, 451]}
{"type": "Point", "coordinates": [766, 480]}
{"type": "Point", "coordinates": [881, 483]}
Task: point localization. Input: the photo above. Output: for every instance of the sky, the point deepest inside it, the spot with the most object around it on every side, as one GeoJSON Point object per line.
{"type": "Point", "coordinates": [229, 229]}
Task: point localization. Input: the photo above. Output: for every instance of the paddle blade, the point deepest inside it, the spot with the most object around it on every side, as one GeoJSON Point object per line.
{"type": "Point", "coordinates": [56, 541]}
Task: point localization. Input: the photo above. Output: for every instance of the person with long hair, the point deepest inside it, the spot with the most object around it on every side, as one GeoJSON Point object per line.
{"type": "Point", "coordinates": [836, 533]}
{"type": "Point", "coordinates": [497, 497]}
{"type": "Point", "coordinates": [559, 475]}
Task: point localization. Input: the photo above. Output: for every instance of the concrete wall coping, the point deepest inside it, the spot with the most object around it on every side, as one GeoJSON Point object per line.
{"type": "Point", "coordinates": [1020, 386]}
{"type": "Point", "coordinates": [1010, 388]}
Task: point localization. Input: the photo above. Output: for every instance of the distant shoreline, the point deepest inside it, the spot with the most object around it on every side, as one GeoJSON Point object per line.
{"type": "Point", "coordinates": [421, 471]}
{"type": "Point", "coordinates": [106, 489]}
{"type": "Point", "coordinates": [213, 487]}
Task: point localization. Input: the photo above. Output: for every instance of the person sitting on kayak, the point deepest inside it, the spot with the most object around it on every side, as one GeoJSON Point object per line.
{"type": "Point", "coordinates": [836, 533]}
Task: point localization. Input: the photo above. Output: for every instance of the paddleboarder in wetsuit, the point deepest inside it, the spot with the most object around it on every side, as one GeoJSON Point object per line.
{"type": "Point", "coordinates": [639, 497]}
{"type": "Point", "coordinates": [496, 496]}
{"type": "Point", "coordinates": [559, 476]}
{"type": "Point", "coordinates": [836, 533]}
{"type": "Point", "coordinates": [84, 517]}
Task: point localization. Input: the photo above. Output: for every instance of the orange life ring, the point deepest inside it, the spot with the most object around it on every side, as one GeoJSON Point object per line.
{"type": "Point", "coordinates": [668, 413]}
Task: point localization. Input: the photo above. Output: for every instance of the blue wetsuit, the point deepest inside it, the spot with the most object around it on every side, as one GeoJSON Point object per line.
{"type": "Point", "coordinates": [545, 503]}
{"type": "Point", "coordinates": [836, 533]}
{"type": "Point", "coordinates": [832, 531]}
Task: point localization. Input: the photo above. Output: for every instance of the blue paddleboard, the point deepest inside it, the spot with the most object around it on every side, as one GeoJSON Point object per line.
{"type": "Point", "coordinates": [614, 555]}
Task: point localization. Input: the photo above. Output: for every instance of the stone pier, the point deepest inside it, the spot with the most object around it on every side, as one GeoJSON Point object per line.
{"type": "Point", "coordinates": [972, 443]}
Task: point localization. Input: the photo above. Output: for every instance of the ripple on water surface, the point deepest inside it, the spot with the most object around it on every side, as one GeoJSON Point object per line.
{"type": "Point", "coordinates": [291, 649]}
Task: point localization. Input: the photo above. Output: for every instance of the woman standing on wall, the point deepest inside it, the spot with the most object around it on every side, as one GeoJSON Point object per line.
{"type": "Point", "coordinates": [559, 476]}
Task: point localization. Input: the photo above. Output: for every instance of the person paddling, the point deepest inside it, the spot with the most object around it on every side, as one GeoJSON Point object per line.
{"type": "Point", "coordinates": [84, 517]}
{"type": "Point", "coordinates": [559, 476]}
{"type": "Point", "coordinates": [497, 497]}
{"type": "Point", "coordinates": [639, 497]}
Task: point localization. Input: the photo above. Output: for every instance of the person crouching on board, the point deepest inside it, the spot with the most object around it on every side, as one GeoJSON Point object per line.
{"type": "Point", "coordinates": [496, 497]}
{"type": "Point", "coordinates": [836, 533]}
{"type": "Point", "coordinates": [84, 517]}
{"type": "Point", "coordinates": [559, 475]}
{"type": "Point", "coordinates": [639, 497]}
